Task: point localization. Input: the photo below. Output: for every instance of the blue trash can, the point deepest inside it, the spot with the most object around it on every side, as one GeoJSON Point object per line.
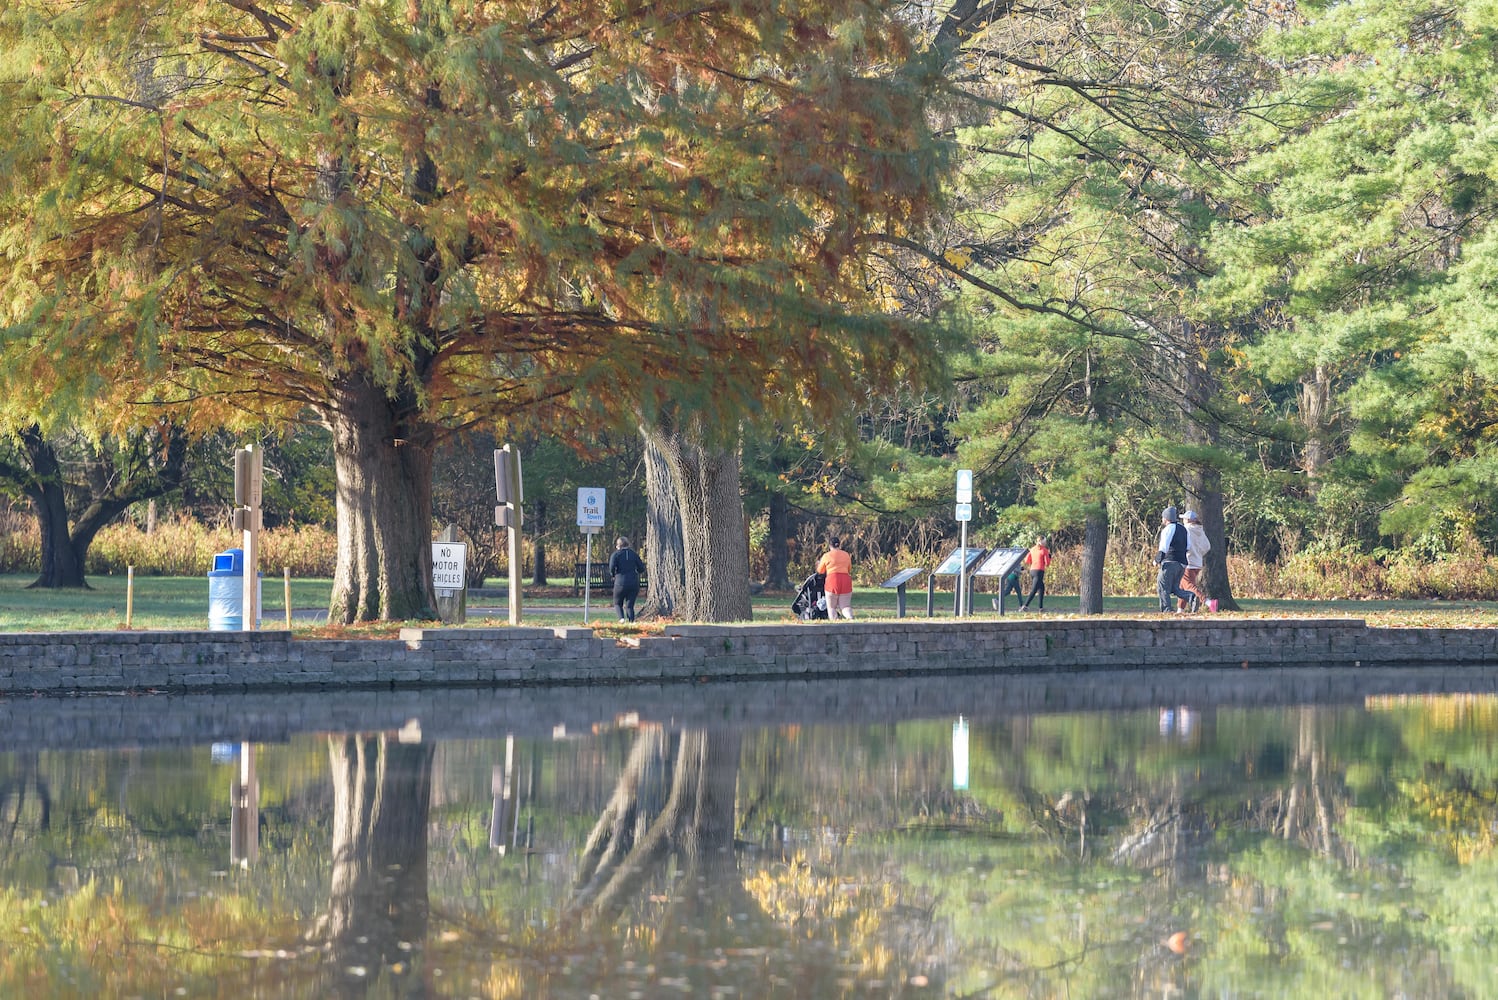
{"type": "Point", "coordinates": [226, 592]}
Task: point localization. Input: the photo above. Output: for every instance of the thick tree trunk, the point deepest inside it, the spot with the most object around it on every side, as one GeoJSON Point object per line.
{"type": "Point", "coordinates": [1203, 491]}
{"type": "Point", "coordinates": [663, 539]}
{"type": "Point", "coordinates": [1316, 415]}
{"type": "Point", "coordinates": [382, 450]}
{"type": "Point", "coordinates": [1095, 530]}
{"type": "Point", "coordinates": [62, 562]}
{"type": "Point", "coordinates": [384, 476]}
{"type": "Point", "coordinates": [536, 529]}
{"type": "Point", "coordinates": [715, 548]}
{"type": "Point", "coordinates": [1214, 580]}
{"type": "Point", "coordinates": [1094, 557]}
{"type": "Point", "coordinates": [778, 543]}
{"type": "Point", "coordinates": [147, 466]}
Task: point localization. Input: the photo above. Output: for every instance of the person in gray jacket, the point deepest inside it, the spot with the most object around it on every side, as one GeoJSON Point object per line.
{"type": "Point", "coordinates": [1171, 556]}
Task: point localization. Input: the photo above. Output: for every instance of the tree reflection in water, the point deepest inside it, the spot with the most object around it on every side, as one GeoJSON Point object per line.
{"type": "Point", "coordinates": [376, 922]}
{"type": "Point", "coordinates": [663, 867]}
{"type": "Point", "coordinates": [1251, 852]}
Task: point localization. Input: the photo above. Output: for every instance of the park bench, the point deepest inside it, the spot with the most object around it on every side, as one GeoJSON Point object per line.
{"type": "Point", "coordinates": [600, 577]}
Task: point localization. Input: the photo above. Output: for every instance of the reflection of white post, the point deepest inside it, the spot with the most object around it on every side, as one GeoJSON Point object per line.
{"type": "Point", "coordinates": [959, 755]}
{"type": "Point", "coordinates": [244, 810]}
{"type": "Point", "coordinates": [502, 786]}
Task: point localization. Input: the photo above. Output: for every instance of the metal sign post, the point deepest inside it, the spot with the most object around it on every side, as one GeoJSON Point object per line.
{"type": "Point", "coordinates": [964, 515]}
{"type": "Point", "coordinates": [962, 600]}
{"type": "Point", "coordinates": [588, 534]}
{"type": "Point", "coordinates": [591, 502]}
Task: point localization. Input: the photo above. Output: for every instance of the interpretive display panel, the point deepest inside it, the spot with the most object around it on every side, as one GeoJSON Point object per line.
{"type": "Point", "coordinates": [954, 562]}
{"type": "Point", "coordinates": [1000, 562]}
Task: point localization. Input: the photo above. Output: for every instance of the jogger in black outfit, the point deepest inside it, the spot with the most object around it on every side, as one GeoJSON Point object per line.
{"type": "Point", "coordinates": [625, 566]}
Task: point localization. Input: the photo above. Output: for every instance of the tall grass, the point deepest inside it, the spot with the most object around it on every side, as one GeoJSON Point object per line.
{"type": "Point", "coordinates": [178, 547]}
{"type": "Point", "coordinates": [20, 542]}
{"type": "Point", "coordinates": [1468, 574]}
{"type": "Point", "coordinates": [1344, 574]}
{"type": "Point", "coordinates": [183, 547]}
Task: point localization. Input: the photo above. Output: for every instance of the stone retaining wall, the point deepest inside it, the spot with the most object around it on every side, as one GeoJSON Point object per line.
{"type": "Point", "coordinates": [69, 663]}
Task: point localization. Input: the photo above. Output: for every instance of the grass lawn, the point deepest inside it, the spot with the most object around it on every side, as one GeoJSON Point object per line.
{"type": "Point", "coordinates": [161, 602]}
{"type": "Point", "coordinates": [182, 603]}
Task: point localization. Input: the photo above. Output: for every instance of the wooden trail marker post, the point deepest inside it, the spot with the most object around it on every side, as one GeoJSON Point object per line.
{"type": "Point", "coordinates": [509, 492]}
{"type": "Point", "coordinates": [249, 473]}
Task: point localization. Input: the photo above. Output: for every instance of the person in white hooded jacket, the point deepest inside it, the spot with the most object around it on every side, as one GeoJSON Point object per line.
{"type": "Point", "coordinates": [1197, 545]}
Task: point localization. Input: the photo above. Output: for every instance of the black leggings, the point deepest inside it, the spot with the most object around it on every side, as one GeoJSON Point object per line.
{"type": "Point", "coordinates": [624, 599]}
{"type": "Point", "coordinates": [1037, 586]}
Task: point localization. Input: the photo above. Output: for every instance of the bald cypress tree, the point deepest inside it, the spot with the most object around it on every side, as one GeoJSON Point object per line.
{"type": "Point", "coordinates": [403, 219]}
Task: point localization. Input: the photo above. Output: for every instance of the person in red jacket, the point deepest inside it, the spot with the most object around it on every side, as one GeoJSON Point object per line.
{"type": "Point", "coordinates": [1039, 560]}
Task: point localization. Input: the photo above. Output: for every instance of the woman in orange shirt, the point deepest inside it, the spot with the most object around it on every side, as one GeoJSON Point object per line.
{"type": "Point", "coordinates": [1039, 560]}
{"type": "Point", "coordinates": [838, 567]}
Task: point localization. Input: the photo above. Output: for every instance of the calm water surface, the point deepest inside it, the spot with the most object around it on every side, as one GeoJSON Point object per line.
{"type": "Point", "coordinates": [872, 839]}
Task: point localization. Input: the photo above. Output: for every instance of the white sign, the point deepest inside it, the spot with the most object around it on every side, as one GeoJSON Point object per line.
{"type": "Point", "coordinates": [964, 487]}
{"type": "Point", "coordinates": [590, 504]}
{"type": "Point", "coordinates": [449, 565]}
{"type": "Point", "coordinates": [964, 512]}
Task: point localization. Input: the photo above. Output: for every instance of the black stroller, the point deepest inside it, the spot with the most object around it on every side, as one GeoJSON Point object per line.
{"type": "Point", "coordinates": [811, 600]}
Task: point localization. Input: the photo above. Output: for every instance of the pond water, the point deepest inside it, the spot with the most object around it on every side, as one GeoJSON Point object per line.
{"type": "Point", "coordinates": [1329, 833]}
